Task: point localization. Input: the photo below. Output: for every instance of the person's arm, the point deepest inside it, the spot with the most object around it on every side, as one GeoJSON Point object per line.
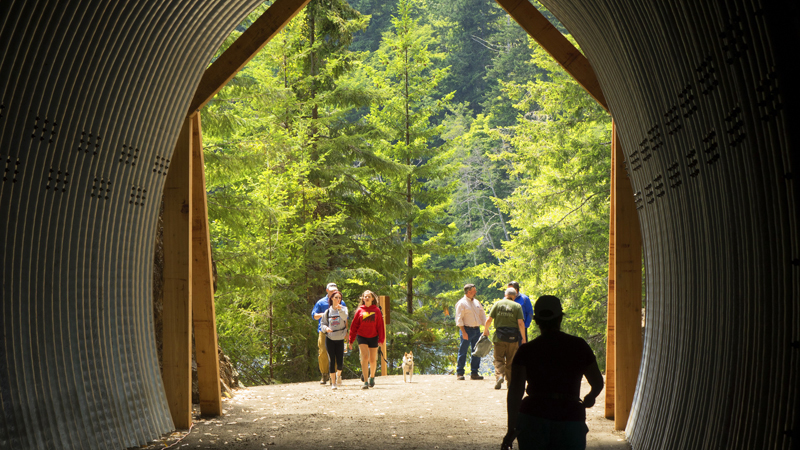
{"type": "Point", "coordinates": [527, 310]}
{"type": "Point", "coordinates": [516, 389]}
{"type": "Point", "coordinates": [323, 324]}
{"type": "Point", "coordinates": [595, 379]}
{"type": "Point", "coordinates": [486, 328]}
{"type": "Point", "coordinates": [381, 329]}
{"type": "Point", "coordinates": [354, 327]}
{"type": "Point", "coordinates": [460, 319]}
{"type": "Point", "coordinates": [318, 310]}
{"type": "Point", "coordinates": [521, 324]}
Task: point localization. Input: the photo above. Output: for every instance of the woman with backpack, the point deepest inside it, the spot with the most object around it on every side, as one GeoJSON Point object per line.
{"type": "Point", "coordinates": [334, 325]}
{"type": "Point", "coordinates": [368, 328]}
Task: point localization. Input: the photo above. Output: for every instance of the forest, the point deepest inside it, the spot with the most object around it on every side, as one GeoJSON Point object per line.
{"type": "Point", "coordinates": [407, 147]}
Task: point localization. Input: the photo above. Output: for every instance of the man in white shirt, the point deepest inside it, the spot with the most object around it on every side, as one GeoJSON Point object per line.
{"type": "Point", "coordinates": [469, 318]}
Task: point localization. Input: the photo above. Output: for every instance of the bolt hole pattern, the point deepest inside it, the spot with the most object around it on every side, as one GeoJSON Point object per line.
{"type": "Point", "coordinates": [769, 99]}
{"type": "Point", "coordinates": [44, 129]}
{"type": "Point", "coordinates": [707, 75]}
{"type": "Point", "coordinates": [129, 155]}
{"type": "Point", "coordinates": [138, 196]}
{"type": "Point", "coordinates": [638, 199]}
{"type": "Point", "coordinates": [693, 163]}
{"type": "Point", "coordinates": [89, 142]}
{"type": "Point", "coordinates": [101, 188]}
{"type": "Point", "coordinates": [735, 127]}
{"type": "Point", "coordinates": [734, 40]}
{"type": "Point", "coordinates": [711, 147]}
{"type": "Point", "coordinates": [160, 165]}
{"type": "Point", "coordinates": [11, 169]}
{"type": "Point", "coordinates": [688, 101]}
{"type": "Point", "coordinates": [57, 180]}
{"type": "Point", "coordinates": [674, 175]}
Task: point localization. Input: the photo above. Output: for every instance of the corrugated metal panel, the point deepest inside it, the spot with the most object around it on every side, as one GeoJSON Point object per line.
{"type": "Point", "coordinates": [93, 94]}
{"type": "Point", "coordinates": [699, 94]}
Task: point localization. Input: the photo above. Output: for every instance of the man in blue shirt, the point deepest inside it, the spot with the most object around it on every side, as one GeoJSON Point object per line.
{"type": "Point", "coordinates": [525, 302]}
{"type": "Point", "coordinates": [319, 309]}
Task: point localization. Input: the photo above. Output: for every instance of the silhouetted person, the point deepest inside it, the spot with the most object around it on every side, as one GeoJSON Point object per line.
{"type": "Point", "coordinates": [552, 416]}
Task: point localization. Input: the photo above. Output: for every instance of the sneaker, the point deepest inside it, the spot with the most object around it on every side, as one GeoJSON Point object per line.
{"type": "Point", "coordinates": [372, 382]}
{"type": "Point", "coordinates": [333, 387]}
{"type": "Point", "coordinates": [460, 377]}
{"type": "Point", "coordinates": [365, 386]}
{"type": "Point", "coordinates": [475, 377]}
{"type": "Point", "coordinates": [323, 381]}
{"type": "Point", "coordinates": [499, 383]}
{"type": "Point", "coordinates": [339, 382]}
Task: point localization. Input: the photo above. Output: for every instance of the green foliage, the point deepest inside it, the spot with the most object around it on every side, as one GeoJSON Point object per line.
{"type": "Point", "coordinates": [560, 152]}
{"type": "Point", "coordinates": [408, 148]}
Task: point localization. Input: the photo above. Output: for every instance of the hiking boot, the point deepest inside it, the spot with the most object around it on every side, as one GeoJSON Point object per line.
{"type": "Point", "coordinates": [323, 380]}
{"type": "Point", "coordinates": [499, 383]}
{"type": "Point", "coordinates": [475, 377]}
{"type": "Point", "coordinates": [365, 386]}
{"type": "Point", "coordinates": [460, 377]}
{"type": "Point", "coordinates": [372, 382]}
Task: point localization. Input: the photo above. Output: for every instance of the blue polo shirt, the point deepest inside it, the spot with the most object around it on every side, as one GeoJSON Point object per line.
{"type": "Point", "coordinates": [527, 308]}
{"type": "Point", "coordinates": [322, 305]}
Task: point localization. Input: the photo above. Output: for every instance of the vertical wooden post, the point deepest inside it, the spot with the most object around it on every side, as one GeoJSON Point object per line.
{"type": "Point", "coordinates": [177, 364]}
{"type": "Point", "coordinates": [383, 300]}
{"type": "Point", "coordinates": [203, 314]}
{"type": "Point", "coordinates": [627, 274]}
{"type": "Point", "coordinates": [611, 357]}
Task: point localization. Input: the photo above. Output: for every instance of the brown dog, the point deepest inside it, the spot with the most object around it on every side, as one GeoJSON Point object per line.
{"type": "Point", "coordinates": [408, 366]}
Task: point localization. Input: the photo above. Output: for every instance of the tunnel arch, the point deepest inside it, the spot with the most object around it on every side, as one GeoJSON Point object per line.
{"type": "Point", "coordinates": [92, 98]}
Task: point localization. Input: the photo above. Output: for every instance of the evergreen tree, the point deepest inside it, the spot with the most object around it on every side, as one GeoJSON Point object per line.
{"type": "Point", "coordinates": [405, 71]}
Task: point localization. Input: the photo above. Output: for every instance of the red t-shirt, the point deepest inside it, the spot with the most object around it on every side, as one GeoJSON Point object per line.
{"type": "Point", "coordinates": [367, 322]}
{"type": "Point", "coordinates": [554, 366]}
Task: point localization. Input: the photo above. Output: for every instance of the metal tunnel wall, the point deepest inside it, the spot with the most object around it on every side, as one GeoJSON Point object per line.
{"type": "Point", "coordinates": [92, 97]}
{"type": "Point", "coordinates": [702, 93]}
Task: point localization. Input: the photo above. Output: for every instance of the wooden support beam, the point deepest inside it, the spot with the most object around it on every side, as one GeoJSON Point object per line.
{"type": "Point", "coordinates": [611, 357]}
{"type": "Point", "coordinates": [177, 358]}
{"type": "Point", "coordinates": [244, 49]}
{"type": "Point", "coordinates": [203, 314]}
{"type": "Point", "coordinates": [627, 274]}
{"type": "Point", "coordinates": [561, 49]}
{"type": "Point", "coordinates": [383, 301]}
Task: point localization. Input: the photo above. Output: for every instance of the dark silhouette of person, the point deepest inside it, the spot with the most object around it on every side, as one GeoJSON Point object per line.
{"type": "Point", "coordinates": [552, 416]}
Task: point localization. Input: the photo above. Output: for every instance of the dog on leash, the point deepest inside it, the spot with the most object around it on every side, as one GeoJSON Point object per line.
{"type": "Point", "coordinates": [408, 366]}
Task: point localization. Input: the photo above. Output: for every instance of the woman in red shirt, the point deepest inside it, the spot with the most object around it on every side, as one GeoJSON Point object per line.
{"type": "Point", "coordinates": [368, 328]}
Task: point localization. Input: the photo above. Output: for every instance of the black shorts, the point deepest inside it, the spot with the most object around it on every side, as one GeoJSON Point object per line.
{"type": "Point", "coordinates": [369, 342]}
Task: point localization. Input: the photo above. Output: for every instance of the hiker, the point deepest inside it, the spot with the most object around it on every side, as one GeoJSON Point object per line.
{"type": "Point", "coordinates": [368, 329]}
{"type": "Point", "coordinates": [334, 324]}
{"type": "Point", "coordinates": [508, 336]}
{"type": "Point", "coordinates": [552, 416]}
{"type": "Point", "coordinates": [319, 308]}
{"type": "Point", "coordinates": [525, 302]}
{"type": "Point", "coordinates": [469, 318]}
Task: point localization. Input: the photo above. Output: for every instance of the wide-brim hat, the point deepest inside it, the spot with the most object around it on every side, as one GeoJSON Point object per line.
{"type": "Point", "coordinates": [547, 307]}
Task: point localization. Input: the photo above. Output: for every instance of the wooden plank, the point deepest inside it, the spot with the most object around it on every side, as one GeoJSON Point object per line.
{"type": "Point", "coordinates": [386, 305]}
{"type": "Point", "coordinates": [244, 49]}
{"type": "Point", "coordinates": [383, 301]}
{"type": "Point", "coordinates": [561, 49]}
{"type": "Point", "coordinates": [627, 290]}
{"type": "Point", "coordinates": [177, 363]}
{"type": "Point", "coordinates": [203, 314]}
{"type": "Point", "coordinates": [611, 358]}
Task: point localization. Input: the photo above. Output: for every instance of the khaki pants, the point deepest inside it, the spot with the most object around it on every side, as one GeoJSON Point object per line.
{"type": "Point", "coordinates": [503, 355]}
{"type": "Point", "coordinates": [323, 356]}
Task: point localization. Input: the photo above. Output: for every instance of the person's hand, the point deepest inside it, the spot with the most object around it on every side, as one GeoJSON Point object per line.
{"type": "Point", "coordinates": [464, 335]}
{"type": "Point", "coordinates": [588, 401]}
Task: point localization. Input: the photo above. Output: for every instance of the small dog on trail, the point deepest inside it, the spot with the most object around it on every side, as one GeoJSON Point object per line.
{"type": "Point", "coordinates": [408, 366]}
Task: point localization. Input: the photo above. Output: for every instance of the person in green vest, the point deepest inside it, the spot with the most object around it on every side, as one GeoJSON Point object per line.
{"type": "Point", "coordinates": [509, 324]}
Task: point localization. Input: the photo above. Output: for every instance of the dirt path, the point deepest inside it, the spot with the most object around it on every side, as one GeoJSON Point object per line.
{"type": "Point", "coordinates": [433, 412]}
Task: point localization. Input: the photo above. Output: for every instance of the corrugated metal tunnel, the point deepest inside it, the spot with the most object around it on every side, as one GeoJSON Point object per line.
{"type": "Point", "coordinates": [93, 95]}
